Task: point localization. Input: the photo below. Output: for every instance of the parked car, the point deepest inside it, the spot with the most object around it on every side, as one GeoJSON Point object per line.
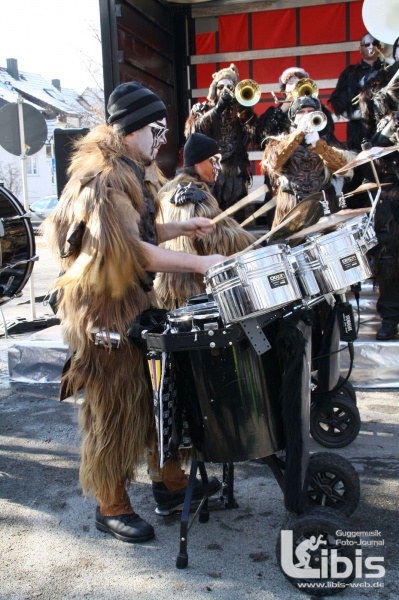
{"type": "Point", "coordinates": [41, 209]}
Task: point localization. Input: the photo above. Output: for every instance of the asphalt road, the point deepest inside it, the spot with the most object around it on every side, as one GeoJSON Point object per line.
{"type": "Point", "coordinates": [50, 549]}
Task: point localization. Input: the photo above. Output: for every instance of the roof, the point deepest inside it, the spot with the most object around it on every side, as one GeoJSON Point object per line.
{"type": "Point", "coordinates": [37, 91]}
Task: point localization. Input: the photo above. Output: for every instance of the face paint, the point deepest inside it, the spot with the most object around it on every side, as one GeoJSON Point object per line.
{"type": "Point", "coordinates": [216, 165]}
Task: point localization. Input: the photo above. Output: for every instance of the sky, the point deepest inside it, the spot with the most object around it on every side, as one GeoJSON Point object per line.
{"type": "Point", "coordinates": [53, 38]}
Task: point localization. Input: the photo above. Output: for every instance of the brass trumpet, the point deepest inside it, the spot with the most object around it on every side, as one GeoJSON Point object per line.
{"type": "Point", "coordinates": [305, 87]}
{"type": "Point", "coordinates": [247, 92]}
{"type": "Point", "coordinates": [317, 121]}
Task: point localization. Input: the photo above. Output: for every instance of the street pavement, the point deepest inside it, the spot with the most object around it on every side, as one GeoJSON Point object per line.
{"type": "Point", "coordinates": [50, 549]}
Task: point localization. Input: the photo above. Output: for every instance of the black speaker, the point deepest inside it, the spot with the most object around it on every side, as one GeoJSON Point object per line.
{"type": "Point", "coordinates": [63, 147]}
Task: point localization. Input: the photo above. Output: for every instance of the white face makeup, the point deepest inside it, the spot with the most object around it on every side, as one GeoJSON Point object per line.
{"type": "Point", "coordinates": [216, 165]}
{"type": "Point", "coordinates": [223, 83]}
{"type": "Point", "coordinates": [146, 141]}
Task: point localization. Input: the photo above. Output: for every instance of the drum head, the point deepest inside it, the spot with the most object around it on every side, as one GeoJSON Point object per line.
{"type": "Point", "coordinates": [17, 247]}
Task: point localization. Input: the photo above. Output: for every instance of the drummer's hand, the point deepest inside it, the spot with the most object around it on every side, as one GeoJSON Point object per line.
{"type": "Point", "coordinates": [311, 138]}
{"type": "Point", "coordinates": [197, 227]}
{"type": "Point", "coordinates": [209, 261]}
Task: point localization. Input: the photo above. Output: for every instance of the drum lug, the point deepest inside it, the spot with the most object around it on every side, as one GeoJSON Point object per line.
{"type": "Point", "coordinates": [242, 274]}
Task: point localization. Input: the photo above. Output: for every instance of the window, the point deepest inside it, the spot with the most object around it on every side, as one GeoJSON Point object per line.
{"type": "Point", "coordinates": [31, 165]}
{"type": "Point", "coordinates": [48, 151]}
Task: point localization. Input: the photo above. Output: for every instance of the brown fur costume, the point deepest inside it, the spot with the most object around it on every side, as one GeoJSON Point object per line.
{"type": "Point", "coordinates": [300, 170]}
{"type": "Point", "coordinates": [226, 239]}
{"type": "Point", "coordinates": [101, 288]}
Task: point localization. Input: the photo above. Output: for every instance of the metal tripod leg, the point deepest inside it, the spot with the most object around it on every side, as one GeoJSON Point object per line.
{"type": "Point", "coordinates": [202, 510]}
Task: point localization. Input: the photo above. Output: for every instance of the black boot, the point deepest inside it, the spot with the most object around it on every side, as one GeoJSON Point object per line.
{"type": "Point", "coordinates": [388, 331]}
{"type": "Point", "coordinates": [168, 502]}
{"type": "Point", "coordinates": [127, 528]}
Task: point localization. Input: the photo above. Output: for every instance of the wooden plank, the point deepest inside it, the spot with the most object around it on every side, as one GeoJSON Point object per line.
{"type": "Point", "coordinates": [203, 59]}
{"type": "Point", "coordinates": [231, 7]}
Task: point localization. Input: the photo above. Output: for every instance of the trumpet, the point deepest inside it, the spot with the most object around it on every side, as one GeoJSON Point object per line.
{"type": "Point", "coordinates": [247, 92]}
{"type": "Point", "coordinates": [317, 121]}
{"type": "Point", "coordinates": [305, 87]}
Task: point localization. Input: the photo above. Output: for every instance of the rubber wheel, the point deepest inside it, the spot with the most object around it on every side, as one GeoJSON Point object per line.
{"type": "Point", "coordinates": [347, 389]}
{"type": "Point", "coordinates": [327, 523]}
{"type": "Point", "coordinates": [337, 425]}
{"type": "Point", "coordinates": [332, 481]}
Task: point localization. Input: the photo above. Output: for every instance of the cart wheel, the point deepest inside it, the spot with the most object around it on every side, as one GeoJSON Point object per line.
{"type": "Point", "coordinates": [318, 527]}
{"type": "Point", "coordinates": [333, 482]}
{"type": "Point", "coordinates": [347, 389]}
{"type": "Point", "coordinates": [337, 425]}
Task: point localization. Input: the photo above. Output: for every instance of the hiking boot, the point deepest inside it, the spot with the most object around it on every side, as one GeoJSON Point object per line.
{"type": "Point", "coordinates": [127, 528]}
{"type": "Point", "coordinates": [168, 502]}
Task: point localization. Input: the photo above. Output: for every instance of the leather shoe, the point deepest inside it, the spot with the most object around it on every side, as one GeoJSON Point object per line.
{"type": "Point", "coordinates": [127, 528]}
{"type": "Point", "coordinates": [388, 331]}
{"type": "Point", "coordinates": [168, 502]}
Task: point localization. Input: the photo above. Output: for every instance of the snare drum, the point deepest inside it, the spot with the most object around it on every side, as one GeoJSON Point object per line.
{"type": "Point", "coordinates": [332, 262]}
{"type": "Point", "coordinates": [17, 245]}
{"type": "Point", "coordinates": [193, 316]}
{"type": "Point", "coordinates": [254, 283]}
{"type": "Point", "coordinates": [366, 238]}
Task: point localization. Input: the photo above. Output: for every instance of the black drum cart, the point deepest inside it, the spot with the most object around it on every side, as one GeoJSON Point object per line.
{"type": "Point", "coordinates": [244, 390]}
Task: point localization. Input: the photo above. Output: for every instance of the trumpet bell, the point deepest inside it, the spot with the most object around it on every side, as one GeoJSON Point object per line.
{"type": "Point", "coordinates": [317, 121]}
{"type": "Point", "coordinates": [305, 87]}
{"type": "Point", "coordinates": [247, 92]}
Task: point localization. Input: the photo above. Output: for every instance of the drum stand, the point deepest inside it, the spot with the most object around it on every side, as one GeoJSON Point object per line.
{"type": "Point", "coordinates": [226, 499]}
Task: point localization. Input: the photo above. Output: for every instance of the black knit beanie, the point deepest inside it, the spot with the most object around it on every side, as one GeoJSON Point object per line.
{"type": "Point", "coordinates": [302, 102]}
{"type": "Point", "coordinates": [199, 147]}
{"type": "Point", "coordinates": [132, 106]}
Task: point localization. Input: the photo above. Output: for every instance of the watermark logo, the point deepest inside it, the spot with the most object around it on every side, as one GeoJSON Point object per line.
{"type": "Point", "coordinates": [330, 564]}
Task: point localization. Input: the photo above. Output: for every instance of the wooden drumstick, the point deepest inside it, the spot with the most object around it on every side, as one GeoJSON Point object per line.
{"type": "Point", "coordinates": [240, 204]}
{"type": "Point", "coordinates": [266, 236]}
{"type": "Point", "coordinates": [261, 211]}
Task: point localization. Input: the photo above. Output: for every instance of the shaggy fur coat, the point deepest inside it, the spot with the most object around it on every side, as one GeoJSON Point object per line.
{"type": "Point", "coordinates": [226, 239]}
{"type": "Point", "coordinates": [95, 231]}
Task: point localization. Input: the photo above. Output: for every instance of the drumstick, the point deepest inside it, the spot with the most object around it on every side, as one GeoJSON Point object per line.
{"type": "Point", "coordinates": [266, 236]}
{"type": "Point", "coordinates": [240, 204]}
{"type": "Point", "coordinates": [263, 209]}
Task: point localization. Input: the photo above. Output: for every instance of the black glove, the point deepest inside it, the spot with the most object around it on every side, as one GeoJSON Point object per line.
{"type": "Point", "coordinates": [225, 100]}
{"type": "Point", "coordinates": [186, 193]}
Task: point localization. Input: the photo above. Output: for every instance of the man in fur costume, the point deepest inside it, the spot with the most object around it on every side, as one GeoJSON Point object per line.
{"type": "Point", "coordinates": [232, 126]}
{"type": "Point", "coordinates": [302, 162]}
{"type": "Point", "coordinates": [350, 82]}
{"type": "Point", "coordinates": [105, 236]}
{"type": "Point", "coordinates": [380, 108]}
{"type": "Point", "coordinates": [186, 196]}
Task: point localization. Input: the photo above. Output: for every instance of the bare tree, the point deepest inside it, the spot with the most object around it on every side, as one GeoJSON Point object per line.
{"type": "Point", "coordinates": [10, 175]}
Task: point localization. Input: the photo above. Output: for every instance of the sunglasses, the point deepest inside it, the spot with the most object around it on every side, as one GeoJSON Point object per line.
{"type": "Point", "coordinates": [160, 130]}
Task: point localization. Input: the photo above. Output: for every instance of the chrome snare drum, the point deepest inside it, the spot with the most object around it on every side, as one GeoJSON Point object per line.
{"type": "Point", "coordinates": [194, 317]}
{"type": "Point", "coordinates": [254, 283]}
{"type": "Point", "coordinates": [334, 261]}
{"type": "Point", "coordinates": [365, 235]}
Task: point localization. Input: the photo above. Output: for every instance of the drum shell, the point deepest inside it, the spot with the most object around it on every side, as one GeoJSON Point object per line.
{"type": "Point", "coordinates": [358, 226]}
{"type": "Point", "coordinates": [253, 284]}
{"type": "Point", "coordinates": [337, 261]}
{"type": "Point", "coordinates": [181, 319]}
{"type": "Point", "coordinates": [231, 397]}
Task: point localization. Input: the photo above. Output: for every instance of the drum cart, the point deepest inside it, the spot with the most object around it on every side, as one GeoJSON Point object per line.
{"type": "Point", "coordinates": [235, 384]}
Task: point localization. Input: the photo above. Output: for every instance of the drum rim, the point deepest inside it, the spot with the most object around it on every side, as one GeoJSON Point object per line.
{"type": "Point", "coordinates": [20, 210]}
